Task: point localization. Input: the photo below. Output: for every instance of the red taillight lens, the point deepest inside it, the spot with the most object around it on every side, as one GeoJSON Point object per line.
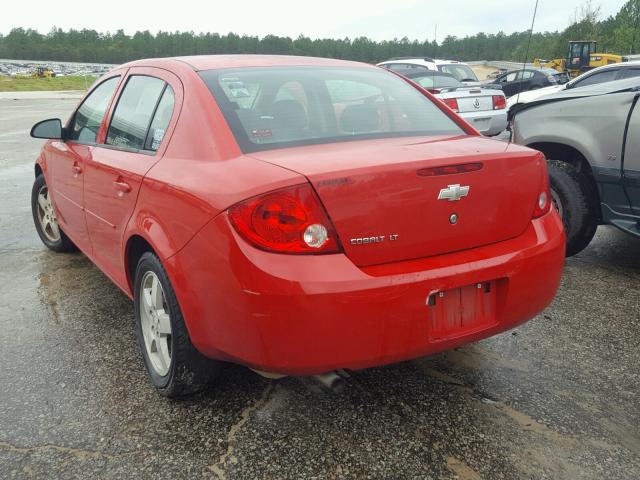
{"type": "Point", "coordinates": [290, 220]}
{"type": "Point", "coordinates": [543, 202]}
{"type": "Point", "coordinates": [499, 102]}
{"type": "Point", "coordinates": [435, 91]}
{"type": "Point", "coordinates": [452, 103]}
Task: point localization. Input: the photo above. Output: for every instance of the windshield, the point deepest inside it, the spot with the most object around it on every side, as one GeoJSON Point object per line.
{"type": "Point", "coordinates": [459, 71]}
{"type": "Point", "coordinates": [269, 108]}
{"type": "Point", "coordinates": [436, 81]}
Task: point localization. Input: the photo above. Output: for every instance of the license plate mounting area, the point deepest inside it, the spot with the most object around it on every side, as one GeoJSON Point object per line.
{"type": "Point", "coordinates": [461, 311]}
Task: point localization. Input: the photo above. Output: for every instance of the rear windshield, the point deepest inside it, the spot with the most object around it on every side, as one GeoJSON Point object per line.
{"type": "Point", "coordinates": [459, 71]}
{"type": "Point", "coordinates": [436, 81]}
{"type": "Point", "coordinates": [275, 107]}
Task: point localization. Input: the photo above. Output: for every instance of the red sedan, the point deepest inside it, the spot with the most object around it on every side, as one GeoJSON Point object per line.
{"type": "Point", "coordinates": [295, 215]}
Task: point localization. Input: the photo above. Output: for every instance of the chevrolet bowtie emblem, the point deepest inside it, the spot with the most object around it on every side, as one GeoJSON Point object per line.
{"type": "Point", "coordinates": [453, 192]}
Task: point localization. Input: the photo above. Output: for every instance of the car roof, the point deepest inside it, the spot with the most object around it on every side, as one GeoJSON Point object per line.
{"type": "Point", "coordinates": [210, 62]}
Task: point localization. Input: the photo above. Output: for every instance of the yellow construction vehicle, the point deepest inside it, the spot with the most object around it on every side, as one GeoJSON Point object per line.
{"type": "Point", "coordinates": [42, 72]}
{"type": "Point", "coordinates": [582, 56]}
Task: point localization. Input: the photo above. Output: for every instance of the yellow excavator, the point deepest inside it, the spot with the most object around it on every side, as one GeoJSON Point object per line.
{"type": "Point", "coordinates": [582, 56]}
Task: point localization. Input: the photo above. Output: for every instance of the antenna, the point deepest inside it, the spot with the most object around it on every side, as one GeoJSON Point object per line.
{"type": "Point", "coordinates": [524, 63]}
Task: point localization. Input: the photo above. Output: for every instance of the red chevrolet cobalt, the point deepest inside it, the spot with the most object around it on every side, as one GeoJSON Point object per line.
{"type": "Point", "coordinates": [295, 215]}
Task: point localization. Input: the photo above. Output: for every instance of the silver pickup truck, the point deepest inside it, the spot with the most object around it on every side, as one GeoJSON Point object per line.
{"type": "Point", "coordinates": [591, 138]}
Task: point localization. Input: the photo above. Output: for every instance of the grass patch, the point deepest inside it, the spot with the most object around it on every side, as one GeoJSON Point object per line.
{"type": "Point", "coordinates": [28, 84]}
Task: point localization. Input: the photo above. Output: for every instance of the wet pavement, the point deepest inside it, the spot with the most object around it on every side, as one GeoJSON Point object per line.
{"type": "Point", "coordinates": [558, 398]}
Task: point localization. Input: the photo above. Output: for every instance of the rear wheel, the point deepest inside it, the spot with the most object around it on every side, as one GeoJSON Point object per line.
{"type": "Point", "coordinates": [175, 367]}
{"type": "Point", "coordinates": [572, 197]}
{"type": "Point", "coordinates": [45, 218]}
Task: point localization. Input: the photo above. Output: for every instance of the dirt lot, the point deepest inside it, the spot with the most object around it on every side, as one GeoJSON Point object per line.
{"type": "Point", "coordinates": [558, 398]}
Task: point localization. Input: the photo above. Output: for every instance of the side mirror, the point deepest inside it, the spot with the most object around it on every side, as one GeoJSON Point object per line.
{"type": "Point", "coordinates": [49, 129]}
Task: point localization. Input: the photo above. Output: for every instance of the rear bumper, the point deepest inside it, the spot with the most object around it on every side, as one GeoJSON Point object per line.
{"type": "Point", "coordinates": [311, 314]}
{"type": "Point", "coordinates": [489, 122]}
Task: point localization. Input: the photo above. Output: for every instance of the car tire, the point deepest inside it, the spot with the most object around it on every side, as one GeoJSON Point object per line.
{"type": "Point", "coordinates": [45, 220]}
{"type": "Point", "coordinates": [184, 370]}
{"type": "Point", "coordinates": [572, 196]}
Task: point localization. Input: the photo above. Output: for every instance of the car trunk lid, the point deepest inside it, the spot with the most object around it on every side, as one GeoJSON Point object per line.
{"type": "Point", "coordinates": [389, 202]}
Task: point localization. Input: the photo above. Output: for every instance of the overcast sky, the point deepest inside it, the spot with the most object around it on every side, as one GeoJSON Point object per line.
{"type": "Point", "coordinates": [375, 19]}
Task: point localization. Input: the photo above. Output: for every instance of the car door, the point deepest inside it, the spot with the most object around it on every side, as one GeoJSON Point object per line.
{"type": "Point", "coordinates": [134, 140]}
{"type": "Point", "coordinates": [67, 160]}
{"type": "Point", "coordinates": [631, 166]}
{"type": "Point", "coordinates": [509, 83]}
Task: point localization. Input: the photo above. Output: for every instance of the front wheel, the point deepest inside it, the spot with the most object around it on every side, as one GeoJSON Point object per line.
{"type": "Point", "coordinates": [175, 367]}
{"type": "Point", "coordinates": [45, 218]}
{"type": "Point", "coordinates": [571, 196]}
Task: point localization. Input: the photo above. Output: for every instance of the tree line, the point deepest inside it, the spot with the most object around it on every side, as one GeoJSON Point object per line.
{"type": "Point", "coordinates": [618, 33]}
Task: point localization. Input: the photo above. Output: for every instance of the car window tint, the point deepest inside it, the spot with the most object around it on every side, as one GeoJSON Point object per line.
{"type": "Point", "coordinates": [161, 120]}
{"type": "Point", "coordinates": [133, 112]}
{"type": "Point", "coordinates": [599, 77]}
{"type": "Point", "coordinates": [87, 119]}
{"type": "Point", "coordinates": [305, 106]}
{"type": "Point", "coordinates": [527, 74]}
{"type": "Point", "coordinates": [630, 73]}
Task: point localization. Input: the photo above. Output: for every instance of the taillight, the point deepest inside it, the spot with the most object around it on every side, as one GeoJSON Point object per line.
{"type": "Point", "coordinates": [543, 201]}
{"type": "Point", "coordinates": [552, 79]}
{"type": "Point", "coordinates": [499, 102]}
{"type": "Point", "coordinates": [435, 91]}
{"type": "Point", "coordinates": [290, 220]}
{"type": "Point", "coordinates": [452, 103]}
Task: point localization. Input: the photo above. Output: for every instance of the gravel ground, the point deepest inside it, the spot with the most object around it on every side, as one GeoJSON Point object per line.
{"type": "Point", "coordinates": [557, 398]}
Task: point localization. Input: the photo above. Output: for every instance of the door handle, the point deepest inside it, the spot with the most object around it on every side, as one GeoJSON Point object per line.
{"type": "Point", "coordinates": [76, 169]}
{"type": "Point", "coordinates": [122, 186]}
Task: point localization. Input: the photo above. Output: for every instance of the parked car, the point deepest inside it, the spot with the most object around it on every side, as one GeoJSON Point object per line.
{"type": "Point", "coordinates": [295, 215]}
{"type": "Point", "coordinates": [606, 73]}
{"type": "Point", "coordinates": [526, 79]}
{"type": "Point", "coordinates": [483, 107]}
{"type": "Point", "coordinates": [460, 71]}
{"type": "Point", "coordinates": [589, 136]}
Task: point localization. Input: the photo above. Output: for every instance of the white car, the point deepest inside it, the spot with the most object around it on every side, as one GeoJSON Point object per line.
{"type": "Point", "coordinates": [459, 70]}
{"type": "Point", "coordinates": [606, 73]}
{"type": "Point", "coordinates": [484, 107]}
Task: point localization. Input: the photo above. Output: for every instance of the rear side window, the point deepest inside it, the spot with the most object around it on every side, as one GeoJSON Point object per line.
{"type": "Point", "coordinates": [133, 113]}
{"type": "Point", "coordinates": [160, 120]}
{"type": "Point", "coordinates": [87, 120]}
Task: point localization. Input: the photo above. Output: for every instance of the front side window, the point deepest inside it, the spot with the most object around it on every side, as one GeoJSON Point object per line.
{"type": "Point", "coordinates": [312, 105]}
{"type": "Point", "coordinates": [630, 73]}
{"type": "Point", "coordinates": [599, 77]}
{"type": "Point", "coordinates": [88, 117]}
{"type": "Point", "coordinates": [133, 113]}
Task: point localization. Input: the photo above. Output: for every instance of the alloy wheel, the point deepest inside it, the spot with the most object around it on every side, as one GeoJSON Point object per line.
{"type": "Point", "coordinates": [47, 216]}
{"type": "Point", "coordinates": [156, 323]}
